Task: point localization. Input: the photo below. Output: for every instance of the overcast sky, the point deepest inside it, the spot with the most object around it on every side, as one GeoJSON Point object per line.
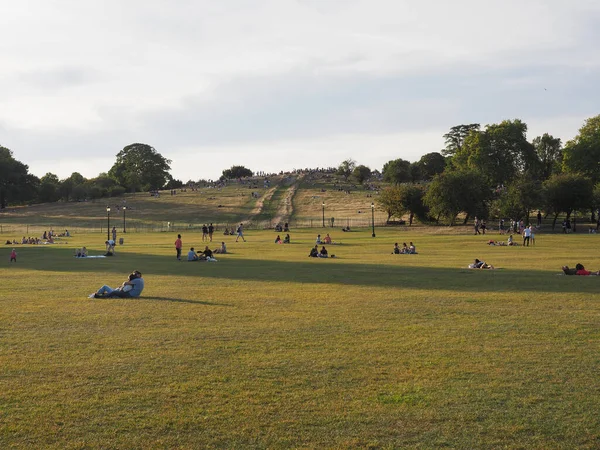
{"type": "Point", "coordinates": [282, 84]}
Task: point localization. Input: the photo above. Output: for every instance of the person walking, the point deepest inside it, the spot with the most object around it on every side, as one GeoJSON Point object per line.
{"type": "Point", "coordinates": [539, 218]}
{"type": "Point", "coordinates": [178, 245]}
{"type": "Point", "coordinates": [240, 233]}
{"type": "Point", "coordinates": [114, 234]}
{"type": "Point", "coordinates": [211, 230]}
{"type": "Point", "coordinates": [13, 255]}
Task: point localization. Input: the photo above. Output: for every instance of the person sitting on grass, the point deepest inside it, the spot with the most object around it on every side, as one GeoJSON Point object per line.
{"type": "Point", "coordinates": [278, 240]}
{"type": "Point", "coordinates": [222, 249]}
{"type": "Point", "coordinates": [286, 239]}
{"type": "Point", "coordinates": [192, 255]}
{"type": "Point", "coordinates": [396, 249]}
{"type": "Point", "coordinates": [314, 252]}
{"type": "Point", "coordinates": [226, 232]}
{"type": "Point", "coordinates": [404, 249]}
{"type": "Point", "coordinates": [205, 255]}
{"type": "Point", "coordinates": [318, 241]}
{"type": "Point", "coordinates": [412, 249]}
{"type": "Point", "coordinates": [480, 265]}
{"type": "Point", "coordinates": [133, 287]}
{"type": "Point", "coordinates": [323, 253]}
{"type": "Point", "coordinates": [327, 240]}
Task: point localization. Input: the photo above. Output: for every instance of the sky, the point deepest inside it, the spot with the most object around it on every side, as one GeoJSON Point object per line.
{"type": "Point", "coordinates": [281, 84]}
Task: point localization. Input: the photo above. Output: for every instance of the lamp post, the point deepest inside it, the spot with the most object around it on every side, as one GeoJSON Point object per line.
{"type": "Point", "coordinates": [373, 218]}
{"type": "Point", "coordinates": [108, 223]}
{"type": "Point", "coordinates": [323, 214]}
{"type": "Point", "coordinates": [124, 209]}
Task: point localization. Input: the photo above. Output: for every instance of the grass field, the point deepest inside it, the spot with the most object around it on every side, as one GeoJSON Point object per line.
{"type": "Point", "coordinates": [268, 349]}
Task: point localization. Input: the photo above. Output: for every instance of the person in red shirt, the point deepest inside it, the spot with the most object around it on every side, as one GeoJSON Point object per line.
{"type": "Point", "coordinates": [178, 246]}
{"type": "Point", "coordinates": [582, 271]}
{"type": "Point", "coordinates": [13, 255]}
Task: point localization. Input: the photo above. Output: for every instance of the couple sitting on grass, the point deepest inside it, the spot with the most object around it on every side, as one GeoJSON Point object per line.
{"type": "Point", "coordinates": [286, 240]}
{"type": "Point", "coordinates": [133, 287]}
{"type": "Point", "coordinates": [315, 253]}
{"type": "Point", "coordinates": [578, 270]}
{"type": "Point", "coordinates": [405, 250]}
{"type": "Point", "coordinates": [207, 254]}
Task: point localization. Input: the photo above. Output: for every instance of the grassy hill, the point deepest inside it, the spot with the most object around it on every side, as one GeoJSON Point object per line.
{"type": "Point", "coordinates": [296, 199]}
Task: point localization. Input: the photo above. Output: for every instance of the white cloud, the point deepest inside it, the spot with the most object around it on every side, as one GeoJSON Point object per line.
{"type": "Point", "coordinates": [80, 79]}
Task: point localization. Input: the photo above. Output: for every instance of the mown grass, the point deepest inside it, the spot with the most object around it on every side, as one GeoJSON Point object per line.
{"type": "Point", "coordinates": [268, 349]}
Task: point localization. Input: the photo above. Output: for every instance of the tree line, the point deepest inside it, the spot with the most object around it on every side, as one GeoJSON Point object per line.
{"type": "Point", "coordinates": [495, 172]}
{"type": "Point", "coordinates": [491, 171]}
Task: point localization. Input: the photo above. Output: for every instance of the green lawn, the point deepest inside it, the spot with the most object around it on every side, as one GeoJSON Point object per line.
{"type": "Point", "coordinates": [268, 349]}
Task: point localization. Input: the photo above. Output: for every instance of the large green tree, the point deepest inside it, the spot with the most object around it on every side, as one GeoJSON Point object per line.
{"type": "Point", "coordinates": [49, 188]}
{"type": "Point", "coordinates": [361, 173]}
{"type": "Point", "coordinates": [582, 154]}
{"type": "Point", "coordinates": [139, 167]}
{"type": "Point", "coordinates": [500, 152]}
{"type": "Point", "coordinates": [17, 185]}
{"type": "Point", "coordinates": [430, 165]}
{"type": "Point", "coordinates": [520, 197]}
{"type": "Point", "coordinates": [397, 171]}
{"type": "Point", "coordinates": [455, 138]}
{"type": "Point", "coordinates": [566, 193]}
{"type": "Point", "coordinates": [549, 153]}
{"type": "Point", "coordinates": [456, 191]}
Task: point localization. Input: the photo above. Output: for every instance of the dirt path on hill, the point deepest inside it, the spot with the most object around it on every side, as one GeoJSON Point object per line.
{"type": "Point", "coordinates": [260, 203]}
{"type": "Point", "coordinates": [285, 208]}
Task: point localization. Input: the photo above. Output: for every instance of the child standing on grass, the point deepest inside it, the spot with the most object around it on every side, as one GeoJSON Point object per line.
{"type": "Point", "coordinates": [13, 255]}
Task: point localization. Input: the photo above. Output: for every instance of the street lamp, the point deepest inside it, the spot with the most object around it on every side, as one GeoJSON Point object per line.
{"type": "Point", "coordinates": [373, 218]}
{"type": "Point", "coordinates": [108, 223]}
{"type": "Point", "coordinates": [323, 214]}
{"type": "Point", "coordinates": [124, 209]}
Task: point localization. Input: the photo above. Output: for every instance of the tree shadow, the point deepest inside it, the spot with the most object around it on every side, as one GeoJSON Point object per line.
{"type": "Point", "coordinates": [312, 271]}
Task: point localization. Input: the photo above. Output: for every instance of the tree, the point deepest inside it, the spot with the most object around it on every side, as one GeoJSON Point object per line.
{"type": "Point", "coordinates": [501, 152]}
{"type": "Point", "coordinates": [346, 168]}
{"type": "Point", "coordinates": [236, 172]}
{"type": "Point", "coordinates": [68, 185]}
{"type": "Point", "coordinates": [17, 185]}
{"type": "Point", "coordinates": [397, 171]}
{"type": "Point", "coordinates": [389, 200]}
{"type": "Point", "coordinates": [430, 165]}
{"type": "Point", "coordinates": [411, 201]}
{"type": "Point", "coordinates": [582, 154]}
{"type": "Point", "coordinates": [549, 153]}
{"type": "Point", "coordinates": [455, 138]}
{"type": "Point", "coordinates": [361, 173]}
{"type": "Point", "coordinates": [455, 191]}
{"type": "Point", "coordinates": [48, 190]}
{"type": "Point", "coordinates": [520, 198]}
{"type": "Point", "coordinates": [567, 192]}
{"type": "Point", "coordinates": [140, 167]}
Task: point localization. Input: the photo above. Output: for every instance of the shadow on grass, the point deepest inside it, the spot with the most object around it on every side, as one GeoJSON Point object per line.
{"type": "Point", "coordinates": [181, 300]}
{"type": "Point", "coordinates": [314, 271]}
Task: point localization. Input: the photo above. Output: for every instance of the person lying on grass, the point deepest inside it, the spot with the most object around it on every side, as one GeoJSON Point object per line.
{"type": "Point", "coordinates": [578, 270]}
{"type": "Point", "coordinates": [133, 287]}
{"type": "Point", "coordinates": [480, 265]}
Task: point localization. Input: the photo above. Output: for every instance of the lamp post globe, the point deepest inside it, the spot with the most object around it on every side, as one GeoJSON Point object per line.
{"type": "Point", "coordinates": [373, 218]}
